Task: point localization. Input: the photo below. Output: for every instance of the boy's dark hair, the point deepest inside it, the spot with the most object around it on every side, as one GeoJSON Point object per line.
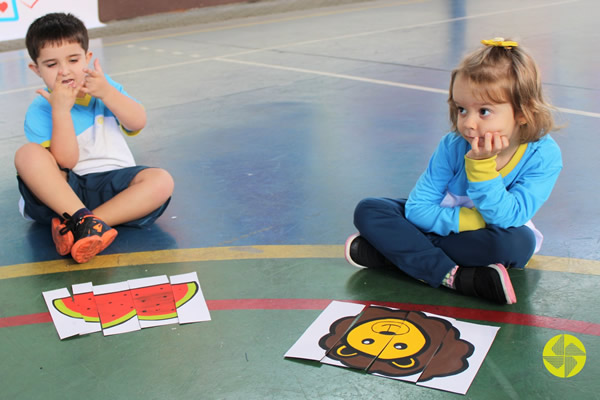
{"type": "Point", "coordinates": [55, 28]}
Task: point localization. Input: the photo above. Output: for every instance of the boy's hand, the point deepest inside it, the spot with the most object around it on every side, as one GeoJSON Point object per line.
{"type": "Point", "coordinates": [95, 82]}
{"type": "Point", "coordinates": [62, 97]}
{"type": "Point", "coordinates": [490, 145]}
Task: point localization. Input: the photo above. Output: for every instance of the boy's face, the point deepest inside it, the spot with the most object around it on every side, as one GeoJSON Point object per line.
{"type": "Point", "coordinates": [66, 59]}
{"type": "Point", "coordinates": [476, 116]}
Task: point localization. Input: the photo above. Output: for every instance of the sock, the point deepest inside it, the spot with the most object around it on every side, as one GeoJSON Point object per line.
{"type": "Point", "coordinates": [449, 278]}
{"type": "Point", "coordinates": [80, 214]}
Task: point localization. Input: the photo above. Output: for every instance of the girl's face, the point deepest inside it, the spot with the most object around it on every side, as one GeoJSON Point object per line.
{"type": "Point", "coordinates": [477, 116]}
{"type": "Point", "coordinates": [66, 59]}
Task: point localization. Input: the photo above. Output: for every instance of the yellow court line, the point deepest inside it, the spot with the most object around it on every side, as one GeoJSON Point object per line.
{"type": "Point", "coordinates": [545, 263]}
{"type": "Point", "coordinates": [565, 264]}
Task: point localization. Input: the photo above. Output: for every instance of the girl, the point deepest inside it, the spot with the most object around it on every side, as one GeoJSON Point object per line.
{"type": "Point", "coordinates": [468, 218]}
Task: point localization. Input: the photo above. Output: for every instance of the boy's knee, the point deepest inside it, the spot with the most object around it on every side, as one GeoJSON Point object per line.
{"type": "Point", "coordinates": [24, 153]}
{"type": "Point", "coordinates": [167, 183]}
{"type": "Point", "coordinates": [33, 155]}
{"type": "Point", "coordinates": [162, 181]}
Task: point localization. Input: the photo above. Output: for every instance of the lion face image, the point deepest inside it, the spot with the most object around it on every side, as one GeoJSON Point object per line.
{"type": "Point", "coordinates": [397, 343]}
{"type": "Point", "coordinates": [388, 339]}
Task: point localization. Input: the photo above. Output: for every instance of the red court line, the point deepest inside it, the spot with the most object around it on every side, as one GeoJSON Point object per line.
{"type": "Point", "coordinates": [504, 317]}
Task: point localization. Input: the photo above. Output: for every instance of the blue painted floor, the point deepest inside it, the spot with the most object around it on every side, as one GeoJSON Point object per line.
{"type": "Point", "coordinates": [274, 127]}
{"type": "Point", "coordinates": [273, 131]}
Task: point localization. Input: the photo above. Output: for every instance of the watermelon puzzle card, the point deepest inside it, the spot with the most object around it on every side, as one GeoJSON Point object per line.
{"type": "Point", "coordinates": [423, 348]}
{"type": "Point", "coordinates": [66, 325]}
{"type": "Point", "coordinates": [191, 306]}
{"type": "Point", "coordinates": [83, 297]}
{"type": "Point", "coordinates": [153, 300]}
{"type": "Point", "coordinates": [115, 308]}
{"type": "Point", "coordinates": [127, 306]}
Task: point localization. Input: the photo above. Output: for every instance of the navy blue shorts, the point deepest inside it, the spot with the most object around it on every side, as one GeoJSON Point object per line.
{"type": "Point", "coordinates": [93, 189]}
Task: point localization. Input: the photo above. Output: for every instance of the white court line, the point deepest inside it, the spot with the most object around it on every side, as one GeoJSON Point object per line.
{"type": "Point", "coordinates": [405, 27]}
{"type": "Point", "coordinates": [369, 33]}
{"type": "Point", "coordinates": [24, 89]}
{"type": "Point", "coordinates": [304, 71]}
{"type": "Point", "coordinates": [346, 36]}
{"type": "Point", "coordinates": [334, 75]}
{"type": "Point", "coordinates": [268, 21]}
{"type": "Point", "coordinates": [377, 82]}
{"type": "Point", "coordinates": [226, 58]}
{"type": "Point", "coordinates": [280, 46]}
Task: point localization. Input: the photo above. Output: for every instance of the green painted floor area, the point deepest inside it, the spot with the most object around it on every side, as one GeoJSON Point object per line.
{"type": "Point", "coordinates": [239, 354]}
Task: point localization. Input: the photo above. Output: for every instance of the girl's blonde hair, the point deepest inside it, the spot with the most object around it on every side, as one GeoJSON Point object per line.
{"type": "Point", "coordinates": [507, 75]}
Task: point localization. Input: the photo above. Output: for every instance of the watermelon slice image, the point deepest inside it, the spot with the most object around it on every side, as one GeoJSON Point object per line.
{"type": "Point", "coordinates": [86, 305]}
{"type": "Point", "coordinates": [154, 303]}
{"type": "Point", "coordinates": [115, 308]}
{"type": "Point", "coordinates": [184, 292]}
{"type": "Point", "coordinates": [67, 306]}
{"type": "Point", "coordinates": [189, 299]}
{"type": "Point", "coordinates": [79, 306]}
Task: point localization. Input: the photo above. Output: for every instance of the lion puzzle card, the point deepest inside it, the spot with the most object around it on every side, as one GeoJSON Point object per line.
{"type": "Point", "coordinates": [423, 348]}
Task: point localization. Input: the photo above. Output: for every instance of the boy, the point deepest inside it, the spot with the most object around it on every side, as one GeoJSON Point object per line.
{"type": "Point", "coordinates": [77, 173]}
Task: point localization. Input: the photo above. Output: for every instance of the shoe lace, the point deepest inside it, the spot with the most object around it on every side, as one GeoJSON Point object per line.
{"type": "Point", "coordinates": [69, 224]}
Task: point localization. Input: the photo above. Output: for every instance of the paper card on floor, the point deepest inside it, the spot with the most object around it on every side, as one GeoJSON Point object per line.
{"type": "Point", "coordinates": [189, 300]}
{"type": "Point", "coordinates": [115, 308]}
{"type": "Point", "coordinates": [83, 296]}
{"type": "Point", "coordinates": [153, 301]}
{"type": "Point", "coordinates": [416, 338]}
{"type": "Point", "coordinates": [308, 345]}
{"type": "Point", "coordinates": [67, 320]}
{"type": "Point", "coordinates": [427, 349]}
{"type": "Point", "coordinates": [358, 342]}
{"type": "Point", "coordinates": [462, 354]}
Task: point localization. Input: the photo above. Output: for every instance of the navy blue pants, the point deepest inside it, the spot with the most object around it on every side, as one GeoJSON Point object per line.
{"type": "Point", "coordinates": [93, 189]}
{"type": "Point", "coordinates": [429, 257]}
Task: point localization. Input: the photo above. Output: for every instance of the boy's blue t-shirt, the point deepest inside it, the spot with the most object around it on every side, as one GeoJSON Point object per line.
{"type": "Point", "coordinates": [101, 138]}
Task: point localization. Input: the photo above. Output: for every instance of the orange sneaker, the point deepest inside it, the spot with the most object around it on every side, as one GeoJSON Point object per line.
{"type": "Point", "coordinates": [62, 234]}
{"type": "Point", "coordinates": [91, 236]}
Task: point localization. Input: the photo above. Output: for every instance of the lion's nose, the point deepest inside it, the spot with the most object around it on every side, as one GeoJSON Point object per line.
{"type": "Point", "coordinates": [390, 328]}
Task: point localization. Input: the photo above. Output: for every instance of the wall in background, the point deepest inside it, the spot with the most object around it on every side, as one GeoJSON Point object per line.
{"type": "Point", "coordinates": [111, 10]}
{"type": "Point", "coordinates": [17, 15]}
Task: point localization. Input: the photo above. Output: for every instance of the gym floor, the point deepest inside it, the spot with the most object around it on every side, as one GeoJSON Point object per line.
{"type": "Point", "coordinates": [274, 127]}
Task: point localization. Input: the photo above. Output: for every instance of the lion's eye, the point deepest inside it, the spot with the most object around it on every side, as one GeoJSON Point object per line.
{"type": "Point", "coordinates": [368, 341]}
{"type": "Point", "coordinates": [400, 346]}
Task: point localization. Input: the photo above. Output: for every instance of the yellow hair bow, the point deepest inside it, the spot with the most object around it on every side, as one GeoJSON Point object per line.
{"type": "Point", "coordinates": [500, 42]}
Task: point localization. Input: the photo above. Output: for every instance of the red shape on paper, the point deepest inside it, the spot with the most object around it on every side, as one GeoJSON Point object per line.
{"type": "Point", "coordinates": [86, 305]}
{"type": "Point", "coordinates": [115, 308]}
{"type": "Point", "coordinates": [183, 292]}
{"type": "Point", "coordinates": [154, 302]}
{"type": "Point", "coordinates": [28, 4]}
